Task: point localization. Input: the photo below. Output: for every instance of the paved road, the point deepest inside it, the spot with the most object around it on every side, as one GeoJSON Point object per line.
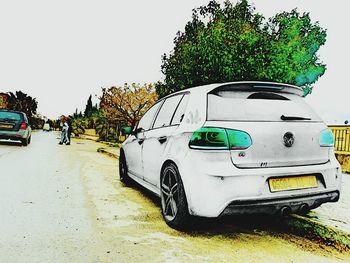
{"type": "Point", "coordinates": [65, 204]}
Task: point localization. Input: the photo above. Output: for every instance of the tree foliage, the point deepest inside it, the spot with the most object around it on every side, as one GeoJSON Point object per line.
{"type": "Point", "coordinates": [79, 124]}
{"type": "Point", "coordinates": [20, 101]}
{"type": "Point", "coordinates": [89, 108]}
{"type": "Point", "coordinates": [232, 43]}
{"type": "Point", "coordinates": [126, 104]}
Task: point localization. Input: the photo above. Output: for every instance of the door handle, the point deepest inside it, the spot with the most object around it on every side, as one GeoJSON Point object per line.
{"type": "Point", "coordinates": [162, 139]}
{"type": "Point", "coordinates": [140, 141]}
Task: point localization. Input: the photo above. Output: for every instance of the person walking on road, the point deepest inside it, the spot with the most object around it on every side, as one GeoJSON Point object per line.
{"type": "Point", "coordinates": [65, 131]}
{"type": "Point", "coordinates": [69, 121]}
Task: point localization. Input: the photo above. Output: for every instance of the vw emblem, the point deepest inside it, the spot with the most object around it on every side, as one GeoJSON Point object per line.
{"type": "Point", "coordinates": [288, 139]}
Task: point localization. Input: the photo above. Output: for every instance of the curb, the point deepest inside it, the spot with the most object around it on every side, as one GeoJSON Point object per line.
{"type": "Point", "coordinates": [104, 151]}
{"type": "Point", "coordinates": [314, 229]}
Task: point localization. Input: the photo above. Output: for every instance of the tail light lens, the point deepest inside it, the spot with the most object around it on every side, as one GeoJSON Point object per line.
{"type": "Point", "coordinates": [326, 138]}
{"type": "Point", "coordinates": [212, 138]}
{"type": "Point", "coordinates": [23, 126]}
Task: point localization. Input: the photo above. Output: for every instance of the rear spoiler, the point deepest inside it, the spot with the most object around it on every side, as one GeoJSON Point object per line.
{"type": "Point", "coordinates": [260, 86]}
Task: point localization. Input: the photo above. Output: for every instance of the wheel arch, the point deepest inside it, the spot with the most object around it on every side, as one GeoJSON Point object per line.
{"type": "Point", "coordinates": [165, 163]}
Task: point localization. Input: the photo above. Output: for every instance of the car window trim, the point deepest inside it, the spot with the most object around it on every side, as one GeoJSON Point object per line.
{"type": "Point", "coordinates": [162, 127]}
{"type": "Point", "coordinates": [164, 99]}
{"type": "Point", "coordinates": [156, 115]}
{"type": "Point", "coordinates": [172, 118]}
{"type": "Point", "coordinates": [159, 101]}
{"type": "Point", "coordinates": [177, 106]}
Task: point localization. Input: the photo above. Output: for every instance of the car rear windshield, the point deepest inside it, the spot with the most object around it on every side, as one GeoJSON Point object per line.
{"type": "Point", "coordinates": [9, 116]}
{"type": "Point", "coordinates": [227, 105]}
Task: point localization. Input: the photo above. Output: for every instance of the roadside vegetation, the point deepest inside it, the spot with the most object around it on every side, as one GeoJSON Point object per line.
{"type": "Point", "coordinates": [118, 107]}
{"type": "Point", "coordinates": [20, 101]}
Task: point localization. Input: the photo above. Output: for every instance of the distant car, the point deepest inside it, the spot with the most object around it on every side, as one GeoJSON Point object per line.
{"type": "Point", "coordinates": [232, 148]}
{"type": "Point", "coordinates": [14, 126]}
{"type": "Point", "coordinates": [46, 127]}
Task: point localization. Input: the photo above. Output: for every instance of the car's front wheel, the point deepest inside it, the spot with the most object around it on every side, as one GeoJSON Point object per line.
{"type": "Point", "coordinates": [173, 198]}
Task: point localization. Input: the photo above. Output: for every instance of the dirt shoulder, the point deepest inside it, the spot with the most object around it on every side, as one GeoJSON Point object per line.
{"type": "Point", "coordinates": [129, 226]}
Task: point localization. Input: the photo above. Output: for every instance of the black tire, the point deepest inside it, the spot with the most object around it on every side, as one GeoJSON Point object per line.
{"type": "Point", "coordinates": [25, 142]}
{"type": "Point", "coordinates": [173, 199]}
{"type": "Point", "coordinates": [29, 139]}
{"type": "Point", "coordinates": [123, 169]}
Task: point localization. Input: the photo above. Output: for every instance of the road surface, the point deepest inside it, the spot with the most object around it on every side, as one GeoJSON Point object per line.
{"type": "Point", "coordinates": [65, 204]}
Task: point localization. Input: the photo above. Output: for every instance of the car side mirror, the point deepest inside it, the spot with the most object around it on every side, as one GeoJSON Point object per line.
{"type": "Point", "coordinates": [136, 131]}
{"type": "Point", "coordinates": [126, 130]}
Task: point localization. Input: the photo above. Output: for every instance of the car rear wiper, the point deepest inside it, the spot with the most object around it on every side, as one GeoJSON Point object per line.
{"type": "Point", "coordinates": [293, 118]}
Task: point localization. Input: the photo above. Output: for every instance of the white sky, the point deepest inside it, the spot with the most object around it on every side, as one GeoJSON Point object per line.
{"type": "Point", "coordinates": [62, 51]}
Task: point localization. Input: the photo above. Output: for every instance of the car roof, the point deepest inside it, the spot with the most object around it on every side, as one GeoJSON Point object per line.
{"type": "Point", "coordinates": [6, 110]}
{"type": "Point", "coordinates": [263, 85]}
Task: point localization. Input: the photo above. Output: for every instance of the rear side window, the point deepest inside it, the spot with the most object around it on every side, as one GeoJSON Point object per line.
{"type": "Point", "coordinates": [146, 121]}
{"type": "Point", "coordinates": [228, 105]}
{"type": "Point", "coordinates": [167, 111]}
{"type": "Point", "coordinates": [180, 111]}
{"type": "Point", "coordinates": [9, 116]}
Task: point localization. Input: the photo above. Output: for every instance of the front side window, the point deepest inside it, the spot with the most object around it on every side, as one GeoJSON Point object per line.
{"type": "Point", "coordinates": [167, 111]}
{"type": "Point", "coordinates": [146, 121]}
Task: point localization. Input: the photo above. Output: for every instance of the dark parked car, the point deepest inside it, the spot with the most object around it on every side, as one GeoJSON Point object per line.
{"type": "Point", "coordinates": [14, 126]}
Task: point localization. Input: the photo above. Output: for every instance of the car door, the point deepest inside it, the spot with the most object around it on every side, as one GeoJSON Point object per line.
{"type": "Point", "coordinates": [133, 148]}
{"type": "Point", "coordinates": [157, 138]}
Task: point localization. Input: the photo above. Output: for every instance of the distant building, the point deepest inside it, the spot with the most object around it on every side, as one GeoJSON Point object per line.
{"type": "Point", "coordinates": [3, 100]}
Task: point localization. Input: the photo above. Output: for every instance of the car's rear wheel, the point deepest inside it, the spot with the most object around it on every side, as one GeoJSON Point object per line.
{"type": "Point", "coordinates": [29, 139]}
{"type": "Point", "coordinates": [25, 142]}
{"type": "Point", "coordinates": [123, 169]}
{"type": "Point", "coordinates": [173, 198]}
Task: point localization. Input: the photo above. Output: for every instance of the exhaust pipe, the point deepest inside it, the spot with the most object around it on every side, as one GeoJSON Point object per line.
{"type": "Point", "coordinates": [304, 209]}
{"type": "Point", "coordinates": [285, 211]}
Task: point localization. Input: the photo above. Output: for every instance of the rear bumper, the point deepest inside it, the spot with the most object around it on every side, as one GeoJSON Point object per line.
{"type": "Point", "coordinates": [275, 205]}
{"type": "Point", "coordinates": [14, 135]}
{"type": "Point", "coordinates": [214, 186]}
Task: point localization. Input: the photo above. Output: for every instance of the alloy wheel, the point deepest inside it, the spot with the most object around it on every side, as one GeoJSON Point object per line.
{"type": "Point", "coordinates": [169, 188]}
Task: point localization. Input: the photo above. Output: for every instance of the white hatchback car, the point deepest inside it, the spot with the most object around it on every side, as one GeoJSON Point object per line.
{"type": "Point", "coordinates": [232, 148]}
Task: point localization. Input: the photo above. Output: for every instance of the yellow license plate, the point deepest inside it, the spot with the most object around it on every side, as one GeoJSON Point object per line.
{"type": "Point", "coordinates": [292, 183]}
{"type": "Point", "coordinates": [6, 126]}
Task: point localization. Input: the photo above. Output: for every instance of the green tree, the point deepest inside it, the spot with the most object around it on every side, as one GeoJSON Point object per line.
{"type": "Point", "coordinates": [88, 108]}
{"type": "Point", "coordinates": [20, 101]}
{"type": "Point", "coordinates": [79, 124]}
{"type": "Point", "coordinates": [232, 43]}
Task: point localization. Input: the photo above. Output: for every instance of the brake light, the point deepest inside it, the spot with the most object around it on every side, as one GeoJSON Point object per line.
{"type": "Point", "coordinates": [23, 126]}
{"type": "Point", "coordinates": [326, 138]}
{"type": "Point", "coordinates": [212, 138]}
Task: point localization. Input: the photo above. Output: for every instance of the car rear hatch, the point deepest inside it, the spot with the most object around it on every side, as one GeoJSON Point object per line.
{"type": "Point", "coordinates": [10, 121]}
{"type": "Point", "coordinates": [283, 129]}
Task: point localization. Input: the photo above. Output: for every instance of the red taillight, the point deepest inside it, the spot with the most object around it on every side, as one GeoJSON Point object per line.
{"type": "Point", "coordinates": [23, 126]}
